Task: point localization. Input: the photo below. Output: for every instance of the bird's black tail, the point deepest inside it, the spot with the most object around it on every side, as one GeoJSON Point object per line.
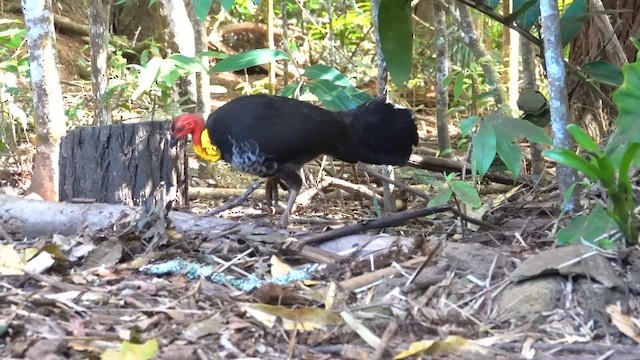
{"type": "Point", "coordinates": [379, 133]}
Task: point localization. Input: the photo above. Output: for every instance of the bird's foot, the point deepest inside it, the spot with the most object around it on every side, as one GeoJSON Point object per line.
{"type": "Point", "coordinates": [283, 223]}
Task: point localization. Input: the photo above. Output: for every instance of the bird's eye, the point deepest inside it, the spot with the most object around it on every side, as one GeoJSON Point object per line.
{"type": "Point", "coordinates": [179, 128]}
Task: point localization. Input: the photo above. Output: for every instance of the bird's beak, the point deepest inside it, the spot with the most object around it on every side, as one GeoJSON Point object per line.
{"type": "Point", "coordinates": [173, 142]}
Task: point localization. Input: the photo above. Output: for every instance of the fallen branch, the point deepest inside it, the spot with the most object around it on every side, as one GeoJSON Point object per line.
{"type": "Point", "coordinates": [328, 181]}
{"type": "Point", "coordinates": [438, 164]}
{"type": "Point", "coordinates": [237, 201]}
{"type": "Point", "coordinates": [397, 183]}
{"type": "Point", "coordinates": [23, 217]}
{"type": "Point", "coordinates": [388, 221]}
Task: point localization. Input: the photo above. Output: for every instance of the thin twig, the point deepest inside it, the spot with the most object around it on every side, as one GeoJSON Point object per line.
{"type": "Point", "coordinates": [238, 201]}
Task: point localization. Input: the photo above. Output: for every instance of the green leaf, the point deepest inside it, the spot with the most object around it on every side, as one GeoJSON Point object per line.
{"type": "Point", "coordinates": [626, 98]}
{"type": "Point", "coordinates": [572, 160]}
{"type": "Point", "coordinates": [583, 139]}
{"type": "Point", "coordinates": [202, 8]}
{"type": "Point", "coordinates": [320, 71]}
{"type": "Point", "coordinates": [441, 197]}
{"type": "Point", "coordinates": [627, 159]}
{"type": "Point", "coordinates": [572, 20]}
{"type": "Point", "coordinates": [531, 14]}
{"type": "Point", "coordinates": [168, 73]}
{"type": "Point", "coordinates": [491, 4]}
{"type": "Point", "coordinates": [148, 76]}
{"type": "Point", "coordinates": [249, 58]}
{"type": "Point", "coordinates": [510, 153]}
{"type": "Point", "coordinates": [290, 90]}
{"type": "Point", "coordinates": [213, 54]}
{"type": "Point", "coordinates": [357, 95]}
{"type": "Point", "coordinates": [396, 38]}
{"type": "Point", "coordinates": [468, 124]}
{"type": "Point", "coordinates": [604, 72]}
{"type": "Point", "coordinates": [466, 193]}
{"type": "Point", "coordinates": [228, 5]}
{"type": "Point", "coordinates": [458, 86]}
{"type": "Point", "coordinates": [589, 228]}
{"type": "Point", "coordinates": [332, 96]}
{"type": "Point", "coordinates": [518, 127]}
{"type": "Point", "coordinates": [187, 62]}
{"type": "Point", "coordinates": [484, 147]}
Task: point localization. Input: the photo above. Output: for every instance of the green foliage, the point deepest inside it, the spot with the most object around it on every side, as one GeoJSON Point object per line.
{"type": "Point", "coordinates": [604, 72]}
{"type": "Point", "coordinates": [612, 175]}
{"type": "Point", "coordinates": [202, 8]}
{"type": "Point", "coordinates": [461, 190]}
{"type": "Point", "coordinates": [248, 59]}
{"type": "Point", "coordinates": [496, 134]}
{"type": "Point", "coordinates": [396, 38]}
{"type": "Point", "coordinates": [330, 86]}
{"type": "Point", "coordinates": [526, 13]}
{"type": "Point", "coordinates": [15, 102]}
{"type": "Point", "coordinates": [626, 99]}
{"type": "Point", "coordinates": [571, 22]}
{"type": "Point", "coordinates": [589, 228]}
{"type": "Point", "coordinates": [156, 77]}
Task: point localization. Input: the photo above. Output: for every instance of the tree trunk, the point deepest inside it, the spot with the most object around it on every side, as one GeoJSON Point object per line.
{"type": "Point", "coordinates": [442, 71]}
{"type": "Point", "coordinates": [47, 97]}
{"type": "Point", "coordinates": [99, 37]}
{"type": "Point", "coordinates": [473, 42]}
{"type": "Point", "coordinates": [203, 80]}
{"type": "Point", "coordinates": [122, 164]}
{"type": "Point", "coordinates": [181, 39]}
{"type": "Point", "coordinates": [559, 102]}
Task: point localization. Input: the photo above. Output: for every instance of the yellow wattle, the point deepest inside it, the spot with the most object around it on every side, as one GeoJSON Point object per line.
{"type": "Point", "coordinates": [207, 151]}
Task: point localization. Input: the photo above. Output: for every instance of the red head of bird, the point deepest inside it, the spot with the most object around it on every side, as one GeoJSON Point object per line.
{"type": "Point", "coordinates": [193, 124]}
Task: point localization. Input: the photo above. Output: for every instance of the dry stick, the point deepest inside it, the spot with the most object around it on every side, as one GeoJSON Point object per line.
{"type": "Point", "coordinates": [424, 264]}
{"type": "Point", "coordinates": [397, 183]}
{"type": "Point", "coordinates": [385, 339]}
{"type": "Point", "coordinates": [239, 200]}
{"type": "Point", "coordinates": [388, 221]}
{"type": "Point", "coordinates": [328, 181]}
{"type": "Point", "coordinates": [367, 279]}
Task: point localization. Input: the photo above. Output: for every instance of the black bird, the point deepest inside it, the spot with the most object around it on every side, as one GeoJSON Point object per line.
{"type": "Point", "coordinates": [273, 137]}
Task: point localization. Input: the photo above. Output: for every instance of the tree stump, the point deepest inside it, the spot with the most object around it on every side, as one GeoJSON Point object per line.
{"type": "Point", "coordinates": [122, 163]}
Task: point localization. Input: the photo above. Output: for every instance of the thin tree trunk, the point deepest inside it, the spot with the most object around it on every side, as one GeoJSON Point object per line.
{"type": "Point", "coordinates": [514, 64]}
{"type": "Point", "coordinates": [558, 98]}
{"type": "Point", "coordinates": [99, 38]}
{"type": "Point", "coordinates": [180, 39]}
{"type": "Point", "coordinates": [47, 97]}
{"type": "Point", "coordinates": [442, 71]}
{"type": "Point", "coordinates": [529, 83]}
{"type": "Point", "coordinates": [471, 40]}
{"type": "Point", "coordinates": [203, 80]}
{"type": "Point", "coordinates": [271, 43]}
{"type": "Point", "coordinates": [382, 86]}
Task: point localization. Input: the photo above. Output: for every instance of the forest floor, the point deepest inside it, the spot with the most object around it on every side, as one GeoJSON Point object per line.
{"type": "Point", "coordinates": [427, 287]}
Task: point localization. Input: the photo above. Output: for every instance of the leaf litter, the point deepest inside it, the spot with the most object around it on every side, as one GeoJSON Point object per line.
{"type": "Point", "coordinates": [429, 288]}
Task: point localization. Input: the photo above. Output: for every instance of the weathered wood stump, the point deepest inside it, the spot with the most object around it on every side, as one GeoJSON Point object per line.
{"type": "Point", "coordinates": [122, 163]}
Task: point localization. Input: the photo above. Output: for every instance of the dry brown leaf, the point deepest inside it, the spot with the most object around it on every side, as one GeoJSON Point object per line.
{"type": "Point", "coordinates": [279, 267]}
{"type": "Point", "coordinates": [305, 318]}
{"type": "Point", "coordinates": [452, 345]}
{"type": "Point", "coordinates": [623, 322]}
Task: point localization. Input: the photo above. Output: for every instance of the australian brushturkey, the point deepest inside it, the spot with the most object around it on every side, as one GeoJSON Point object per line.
{"type": "Point", "coordinates": [273, 136]}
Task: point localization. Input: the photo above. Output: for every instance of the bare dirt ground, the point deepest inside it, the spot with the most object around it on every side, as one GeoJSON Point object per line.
{"type": "Point", "coordinates": [428, 287]}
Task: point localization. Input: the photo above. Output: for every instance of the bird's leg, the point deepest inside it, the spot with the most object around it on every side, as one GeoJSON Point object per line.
{"type": "Point", "coordinates": [238, 201]}
{"type": "Point", "coordinates": [271, 191]}
{"type": "Point", "coordinates": [294, 183]}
